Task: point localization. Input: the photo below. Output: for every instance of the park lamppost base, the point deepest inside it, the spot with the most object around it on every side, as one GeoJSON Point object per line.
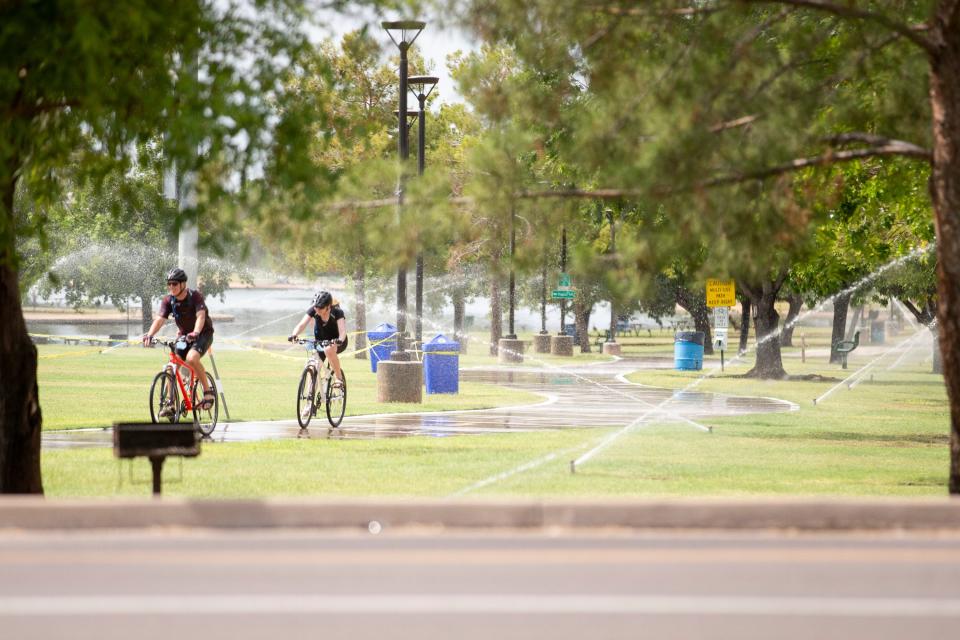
{"type": "Point", "coordinates": [611, 348]}
{"type": "Point", "coordinates": [561, 345]}
{"type": "Point", "coordinates": [509, 350]}
{"type": "Point", "coordinates": [400, 381]}
{"type": "Point", "coordinates": [541, 343]}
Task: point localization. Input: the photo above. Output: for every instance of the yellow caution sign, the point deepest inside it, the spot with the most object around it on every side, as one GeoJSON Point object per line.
{"type": "Point", "coordinates": [721, 293]}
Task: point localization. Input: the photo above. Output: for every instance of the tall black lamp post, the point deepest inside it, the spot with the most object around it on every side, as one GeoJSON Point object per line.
{"type": "Point", "coordinates": [513, 284]}
{"type": "Point", "coordinates": [422, 87]}
{"type": "Point", "coordinates": [613, 250]}
{"type": "Point", "coordinates": [563, 270]}
{"type": "Point", "coordinates": [402, 33]}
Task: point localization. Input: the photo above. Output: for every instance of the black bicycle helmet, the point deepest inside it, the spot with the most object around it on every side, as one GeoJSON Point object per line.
{"type": "Point", "coordinates": [322, 299]}
{"type": "Point", "coordinates": [177, 275]}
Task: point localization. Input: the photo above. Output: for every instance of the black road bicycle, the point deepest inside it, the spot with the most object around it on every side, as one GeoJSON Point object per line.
{"type": "Point", "coordinates": [317, 387]}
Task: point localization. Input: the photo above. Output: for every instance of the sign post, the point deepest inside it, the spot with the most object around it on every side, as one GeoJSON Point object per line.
{"type": "Point", "coordinates": [721, 322]}
{"type": "Point", "coordinates": [564, 290]}
{"type": "Point", "coordinates": [721, 295]}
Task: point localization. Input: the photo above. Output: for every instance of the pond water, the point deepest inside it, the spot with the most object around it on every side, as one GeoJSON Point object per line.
{"type": "Point", "coordinates": [275, 311]}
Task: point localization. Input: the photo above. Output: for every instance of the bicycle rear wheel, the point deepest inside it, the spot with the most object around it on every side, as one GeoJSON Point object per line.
{"type": "Point", "coordinates": [164, 389]}
{"type": "Point", "coordinates": [305, 397]}
{"type": "Point", "coordinates": [336, 400]}
{"type": "Point", "coordinates": [205, 420]}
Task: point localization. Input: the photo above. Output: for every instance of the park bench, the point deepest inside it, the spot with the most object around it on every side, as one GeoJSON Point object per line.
{"type": "Point", "coordinates": [844, 347]}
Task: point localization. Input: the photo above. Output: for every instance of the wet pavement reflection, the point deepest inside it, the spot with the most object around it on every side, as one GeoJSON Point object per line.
{"type": "Point", "coordinates": [591, 396]}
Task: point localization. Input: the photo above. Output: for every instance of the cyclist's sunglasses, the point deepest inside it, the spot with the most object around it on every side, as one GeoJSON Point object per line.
{"type": "Point", "coordinates": [172, 283]}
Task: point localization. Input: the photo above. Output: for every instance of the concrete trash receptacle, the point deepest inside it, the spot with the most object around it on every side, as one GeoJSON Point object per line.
{"type": "Point", "coordinates": [382, 341]}
{"type": "Point", "coordinates": [877, 332]}
{"type": "Point", "coordinates": [688, 350]}
{"type": "Point", "coordinates": [441, 365]}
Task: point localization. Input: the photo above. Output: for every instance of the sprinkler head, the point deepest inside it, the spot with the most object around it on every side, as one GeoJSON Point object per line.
{"type": "Point", "coordinates": [573, 466]}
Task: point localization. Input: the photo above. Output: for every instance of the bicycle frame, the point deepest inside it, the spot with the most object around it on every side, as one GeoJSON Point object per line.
{"type": "Point", "coordinates": [323, 366]}
{"type": "Point", "coordinates": [175, 363]}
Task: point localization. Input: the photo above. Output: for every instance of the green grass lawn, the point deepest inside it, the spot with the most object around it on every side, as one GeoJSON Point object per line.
{"type": "Point", "coordinates": [886, 437]}
{"type": "Point", "coordinates": [82, 387]}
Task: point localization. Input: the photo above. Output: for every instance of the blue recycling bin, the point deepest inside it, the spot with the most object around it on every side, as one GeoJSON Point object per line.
{"type": "Point", "coordinates": [383, 342]}
{"type": "Point", "coordinates": [688, 350]}
{"type": "Point", "coordinates": [441, 365]}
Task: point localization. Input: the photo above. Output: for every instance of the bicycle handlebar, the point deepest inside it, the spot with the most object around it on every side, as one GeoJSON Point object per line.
{"type": "Point", "coordinates": [170, 344]}
{"type": "Point", "coordinates": [322, 344]}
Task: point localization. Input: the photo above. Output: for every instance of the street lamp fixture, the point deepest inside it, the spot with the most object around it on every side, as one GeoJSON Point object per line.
{"type": "Point", "coordinates": [421, 87]}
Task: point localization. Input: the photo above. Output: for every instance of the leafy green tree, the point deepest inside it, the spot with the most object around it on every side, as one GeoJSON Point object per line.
{"type": "Point", "coordinates": [114, 242]}
{"type": "Point", "coordinates": [879, 212]}
{"type": "Point", "coordinates": [355, 90]}
{"type": "Point", "coordinates": [82, 83]}
{"type": "Point", "coordinates": [914, 284]}
{"type": "Point", "coordinates": [709, 103]}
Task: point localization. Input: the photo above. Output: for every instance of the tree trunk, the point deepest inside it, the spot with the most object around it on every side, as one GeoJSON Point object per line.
{"type": "Point", "coordinates": [744, 325]}
{"type": "Point", "coordinates": [459, 310]}
{"type": "Point", "coordinates": [360, 311]}
{"type": "Point", "coordinates": [937, 351]}
{"type": "Point", "coordinates": [146, 311]}
{"type": "Point", "coordinates": [945, 192]}
{"type": "Point", "coordinates": [20, 417]}
{"type": "Point", "coordinates": [696, 306]}
{"type": "Point", "coordinates": [769, 365]}
{"type": "Point", "coordinates": [581, 319]}
{"type": "Point", "coordinates": [840, 306]}
{"type": "Point", "coordinates": [496, 313]}
{"type": "Point", "coordinates": [796, 304]}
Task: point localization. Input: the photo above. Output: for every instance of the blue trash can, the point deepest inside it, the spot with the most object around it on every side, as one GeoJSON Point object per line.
{"type": "Point", "coordinates": [383, 342]}
{"type": "Point", "coordinates": [441, 365]}
{"type": "Point", "coordinates": [688, 350]}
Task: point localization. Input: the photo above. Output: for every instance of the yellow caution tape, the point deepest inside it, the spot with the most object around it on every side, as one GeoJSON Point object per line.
{"type": "Point", "coordinates": [85, 352]}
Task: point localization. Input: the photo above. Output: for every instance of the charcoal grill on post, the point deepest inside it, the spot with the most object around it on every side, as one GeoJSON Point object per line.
{"type": "Point", "coordinates": [156, 442]}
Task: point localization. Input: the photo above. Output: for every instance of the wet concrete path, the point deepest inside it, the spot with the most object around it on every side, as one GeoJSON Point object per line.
{"type": "Point", "coordinates": [588, 396]}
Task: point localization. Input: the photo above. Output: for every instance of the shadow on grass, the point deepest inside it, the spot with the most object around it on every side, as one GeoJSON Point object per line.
{"type": "Point", "coordinates": [808, 377]}
{"type": "Point", "coordinates": [901, 440]}
{"type": "Point", "coordinates": [900, 383]}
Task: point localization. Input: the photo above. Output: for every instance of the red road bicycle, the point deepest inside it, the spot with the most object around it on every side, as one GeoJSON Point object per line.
{"type": "Point", "coordinates": [313, 393]}
{"type": "Point", "coordinates": [169, 387]}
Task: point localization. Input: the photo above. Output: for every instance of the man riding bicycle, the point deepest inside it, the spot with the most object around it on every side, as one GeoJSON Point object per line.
{"type": "Point", "coordinates": [330, 323]}
{"type": "Point", "coordinates": [193, 322]}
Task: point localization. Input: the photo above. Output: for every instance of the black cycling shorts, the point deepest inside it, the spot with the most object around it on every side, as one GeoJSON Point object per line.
{"type": "Point", "coordinates": [203, 342]}
{"type": "Point", "coordinates": [340, 349]}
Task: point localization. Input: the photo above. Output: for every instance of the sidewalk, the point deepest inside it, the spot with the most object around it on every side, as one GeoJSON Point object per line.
{"type": "Point", "coordinates": [801, 514]}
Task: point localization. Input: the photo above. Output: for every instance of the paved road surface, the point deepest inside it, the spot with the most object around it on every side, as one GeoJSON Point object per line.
{"type": "Point", "coordinates": [184, 585]}
{"type": "Point", "coordinates": [594, 395]}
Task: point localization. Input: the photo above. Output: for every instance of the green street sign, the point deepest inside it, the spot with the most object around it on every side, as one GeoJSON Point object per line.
{"type": "Point", "coordinates": [563, 294]}
{"type": "Point", "coordinates": [564, 281]}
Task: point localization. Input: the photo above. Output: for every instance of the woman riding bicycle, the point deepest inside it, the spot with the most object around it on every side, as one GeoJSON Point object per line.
{"type": "Point", "coordinates": [329, 323]}
{"type": "Point", "coordinates": [193, 322]}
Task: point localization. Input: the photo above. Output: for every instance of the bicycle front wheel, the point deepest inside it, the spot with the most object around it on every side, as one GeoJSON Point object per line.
{"type": "Point", "coordinates": [336, 400]}
{"type": "Point", "coordinates": [305, 397]}
{"type": "Point", "coordinates": [205, 420]}
{"type": "Point", "coordinates": [162, 391]}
